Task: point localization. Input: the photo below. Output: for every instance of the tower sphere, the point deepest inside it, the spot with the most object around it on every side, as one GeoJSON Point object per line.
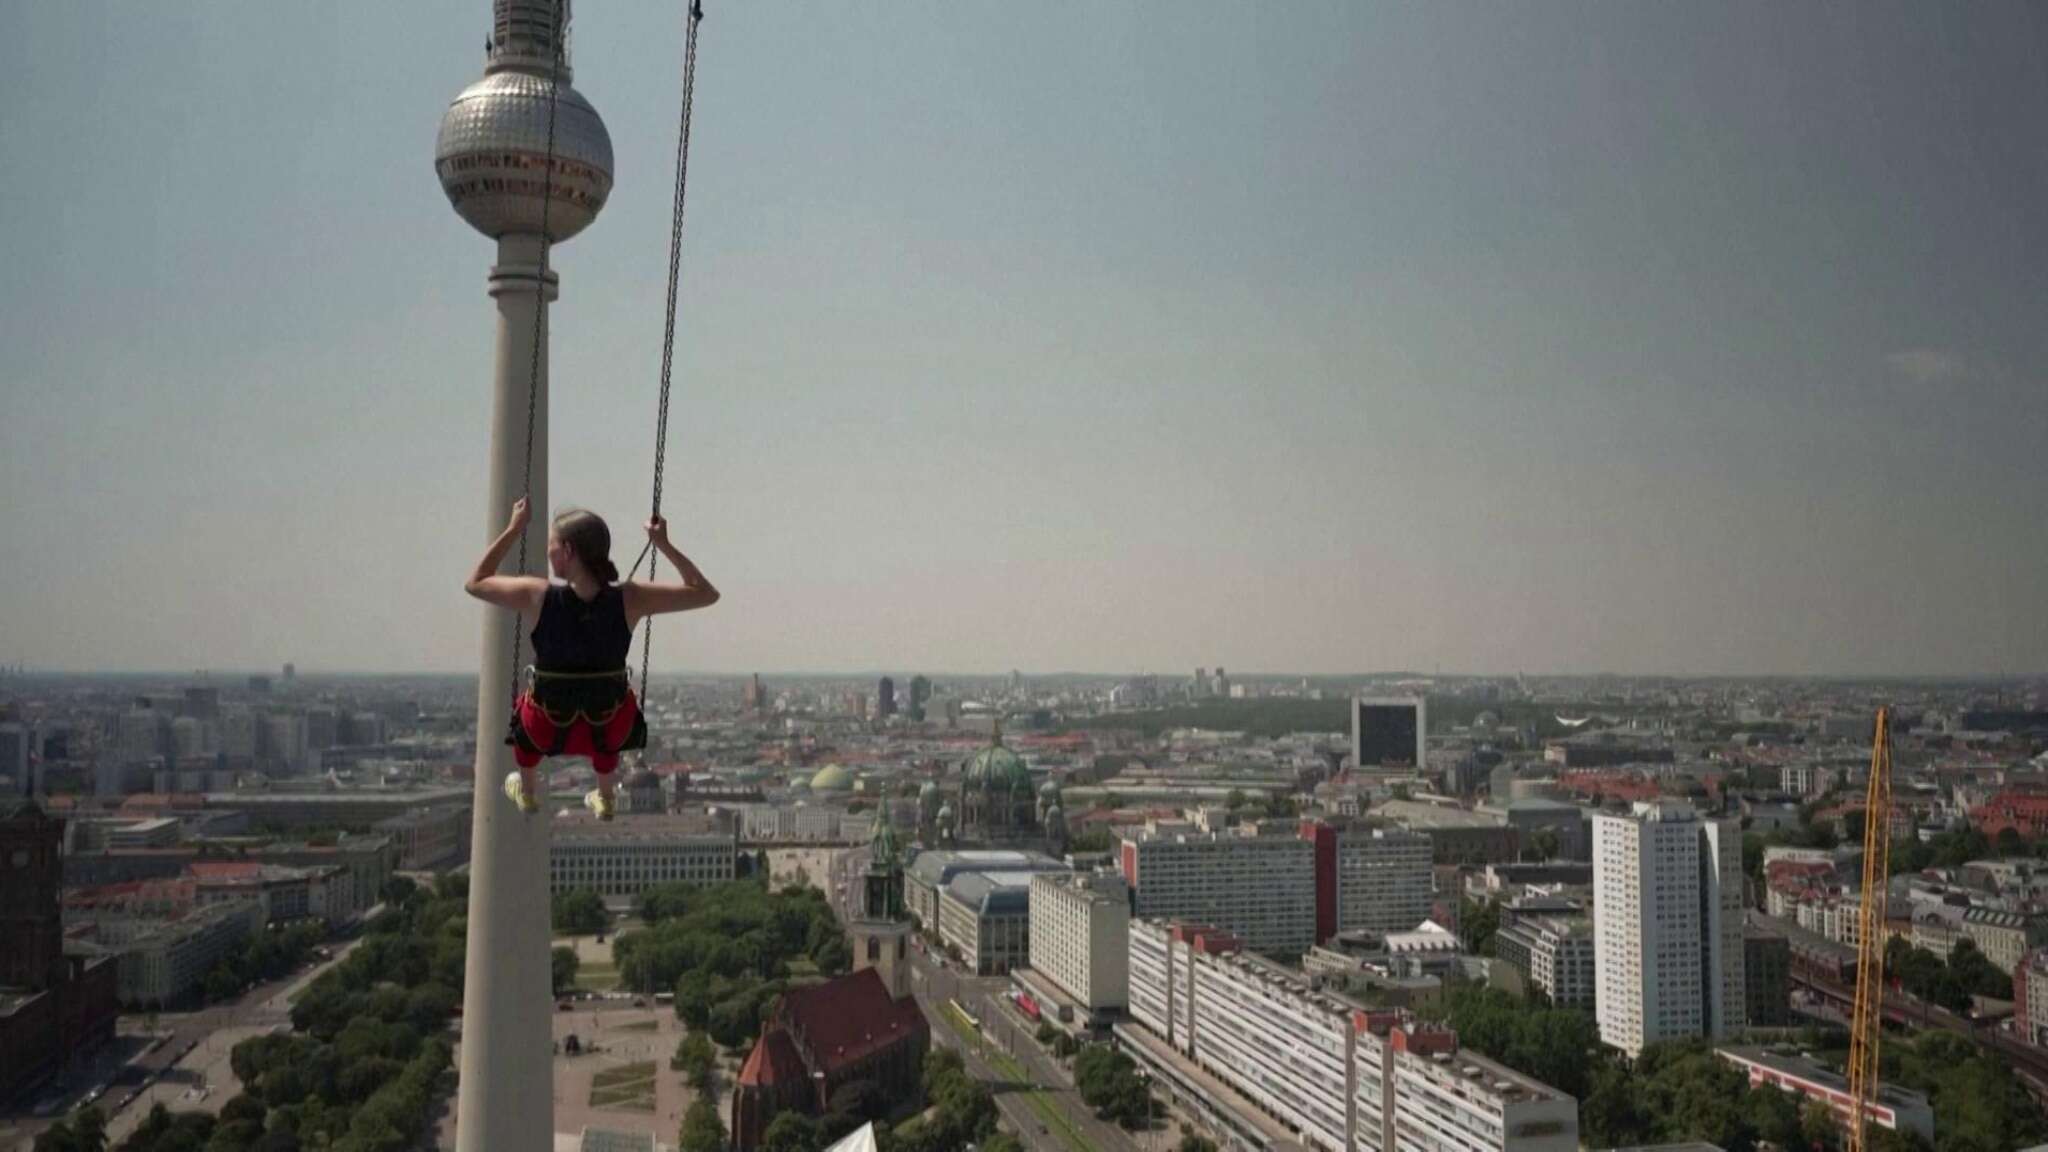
{"type": "Point", "coordinates": [492, 150]}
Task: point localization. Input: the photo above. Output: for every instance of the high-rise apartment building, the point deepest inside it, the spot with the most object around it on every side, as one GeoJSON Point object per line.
{"type": "Point", "coordinates": [1369, 877]}
{"type": "Point", "coordinates": [1080, 936]}
{"type": "Point", "coordinates": [1667, 889]}
{"type": "Point", "coordinates": [1259, 886]}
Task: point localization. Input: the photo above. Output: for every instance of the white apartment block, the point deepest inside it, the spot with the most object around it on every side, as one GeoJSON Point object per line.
{"type": "Point", "coordinates": [1383, 880]}
{"type": "Point", "coordinates": [1339, 1076]}
{"type": "Point", "coordinates": [1667, 890]}
{"type": "Point", "coordinates": [633, 853]}
{"type": "Point", "coordinates": [1453, 1100]}
{"type": "Point", "coordinates": [1080, 936]}
{"type": "Point", "coordinates": [1261, 888]}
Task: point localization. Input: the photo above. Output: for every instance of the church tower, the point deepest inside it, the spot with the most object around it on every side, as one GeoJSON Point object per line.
{"type": "Point", "coordinates": [880, 932]}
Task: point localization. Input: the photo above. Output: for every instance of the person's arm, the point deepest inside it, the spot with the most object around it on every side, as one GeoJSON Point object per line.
{"type": "Point", "coordinates": [691, 591]}
{"type": "Point", "coordinates": [518, 593]}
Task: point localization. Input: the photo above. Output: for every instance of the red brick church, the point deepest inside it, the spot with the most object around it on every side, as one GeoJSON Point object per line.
{"type": "Point", "coordinates": [821, 1038]}
{"type": "Point", "coordinates": [862, 1027]}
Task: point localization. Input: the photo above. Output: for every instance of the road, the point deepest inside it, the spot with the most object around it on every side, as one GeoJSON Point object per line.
{"type": "Point", "coordinates": [1003, 1031]}
{"type": "Point", "coordinates": [152, 1075]}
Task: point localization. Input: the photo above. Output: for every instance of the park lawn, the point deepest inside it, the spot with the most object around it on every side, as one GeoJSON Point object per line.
{"type": "Point", "coordinates": [629, 1087]}
{"type": "Point", "coordinates": [597, 977]}
{"type": "Point", "coordinates": [640, 1026]}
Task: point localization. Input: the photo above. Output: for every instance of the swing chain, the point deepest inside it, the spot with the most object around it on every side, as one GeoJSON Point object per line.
{"type": "Point", "coordinates": [540, 312]}
{"type": "Point", "coordinates": [668, 334]}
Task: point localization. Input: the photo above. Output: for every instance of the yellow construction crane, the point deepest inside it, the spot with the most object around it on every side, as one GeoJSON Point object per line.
{"type": "Point", "coordinates": [1866, 1026]}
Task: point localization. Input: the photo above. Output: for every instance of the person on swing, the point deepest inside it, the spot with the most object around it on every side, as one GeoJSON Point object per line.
{"type": "Point", "coordinates": [579, 701]}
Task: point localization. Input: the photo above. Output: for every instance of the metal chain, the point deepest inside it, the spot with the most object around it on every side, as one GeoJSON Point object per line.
{"type": "Point", "coordinates": [540, 312]}
{"type": "Point", "coordinates": [668, 333]}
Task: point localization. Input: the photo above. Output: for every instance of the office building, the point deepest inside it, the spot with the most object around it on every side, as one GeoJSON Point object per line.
{"type": "Point", "coordinates": [1554, 954]}
{"type": "Point", "coordinates": [1766, 976]}
{"type": "Point", "coordinates": [928, 875]}
{"type": "Point", "coordinates": [1258, 885]}
{"type": "Point", "coordinates": [1388, 732]}
{"type": "Point", "coordinates": [1457, 835]}
{"type": "Point", "coordinates": [164, 959]}
{"type": "Point", "coordinates": [626, 856]}
{"type": "Point", "coordinates": [1383, 879]}
{"type": "Point", "coordinates": [1667, 899]}
{"type": "Point", "coordinates": [429, 839]}
{"type": "Point", "coordinates": [985, 917]}
{"type": "Point", "coordinates": [1080, 936]}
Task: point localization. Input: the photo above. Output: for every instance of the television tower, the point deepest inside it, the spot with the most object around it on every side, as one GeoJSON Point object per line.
{"type": "Point", "coordinates": [493, 158]}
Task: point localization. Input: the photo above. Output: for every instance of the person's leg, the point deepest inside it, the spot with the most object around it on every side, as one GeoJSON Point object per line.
{"type": "Point", "coordinates": [540, 733]}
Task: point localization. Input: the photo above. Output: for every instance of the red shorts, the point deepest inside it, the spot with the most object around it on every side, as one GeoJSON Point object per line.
{"type": "Point", "coordinates": [580, 737]}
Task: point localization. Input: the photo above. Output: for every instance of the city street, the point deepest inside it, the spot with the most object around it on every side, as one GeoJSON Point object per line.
{"type": "Point", "coordinates": [1002, 1030]}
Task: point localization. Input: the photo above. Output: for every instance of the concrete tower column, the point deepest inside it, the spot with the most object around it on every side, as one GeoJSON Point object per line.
{"type": "Point", "coordinates": [507, 1088]}
{"type": "Point", "coordinates": [521, 155]}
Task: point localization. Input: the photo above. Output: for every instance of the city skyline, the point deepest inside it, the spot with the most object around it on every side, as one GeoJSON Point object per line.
{"type": "Point", "coordinates": [1668, 341]}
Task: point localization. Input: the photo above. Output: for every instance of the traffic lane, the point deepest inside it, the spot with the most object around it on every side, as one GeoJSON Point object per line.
{"type": "Point", "coordinates": [982, 996]}
{"type": "Point", "coordinates": [1023, 1120]}
{"type": "Point", "coordinates": [999, 1012]}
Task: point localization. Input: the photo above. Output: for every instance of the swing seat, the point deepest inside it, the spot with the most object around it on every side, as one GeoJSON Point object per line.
{"type": "Point", "coordinates": [594, 715]}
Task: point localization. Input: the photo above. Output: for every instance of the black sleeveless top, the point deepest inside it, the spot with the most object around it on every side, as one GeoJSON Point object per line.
{"type": "Point", "coordinates": [574, 636]}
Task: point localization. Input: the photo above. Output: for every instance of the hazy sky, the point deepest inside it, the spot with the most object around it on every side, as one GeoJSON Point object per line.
{"type": "Point", "coordinates": [1300, 336]}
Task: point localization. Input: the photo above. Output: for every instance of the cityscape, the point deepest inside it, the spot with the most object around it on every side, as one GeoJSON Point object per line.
{"type": "Point", "coordinates": [1330, 577]}
{"type": "Point", "coordinates": [1228, 910]}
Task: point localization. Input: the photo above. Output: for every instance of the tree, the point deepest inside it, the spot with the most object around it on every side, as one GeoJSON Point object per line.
{"type": "Point", "coordinates": [1817, 1128]}
{"type": "Point", "coordinates": [1002, 1142]}
{"type": "Point", "coordinates": [1234, 800]}
{"type": "Point", "coordinates": [1543, 845]}
{"type": "Point", "coordinates": [564, 962]}
{"type": "Point", "coordinates": [221, 983]}
{"type": "Point", "coordinates": [1478, 920]}
{"type": "Point", "coordinates": [702, 1130]}
{"type": "Point", "coordinates": [791, 1131]}
{"type": "Point", "coordinates": [398, 890]}
{"type": "Point", "coordinates": [580, 913]}
{"type": "Point", "coordinates": [1189, 1142]}
{"type": "Point", "coordinates": [696, 1059]}
{"type": "Point", "coordinates": [833, 956]}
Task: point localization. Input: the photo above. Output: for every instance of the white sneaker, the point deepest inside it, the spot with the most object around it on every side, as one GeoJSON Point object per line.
{"type": "Point", "coordinates": [517, 793]}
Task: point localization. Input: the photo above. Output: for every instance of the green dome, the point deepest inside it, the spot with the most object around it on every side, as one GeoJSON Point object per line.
{"type": "Point", "coordinates": [832, 778]}
{"type": "Point", "coordinates": [996, 767]}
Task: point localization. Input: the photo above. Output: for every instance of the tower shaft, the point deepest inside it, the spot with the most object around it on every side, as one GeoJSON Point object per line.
{"type": "Point", "coordinates": [506, 1099]}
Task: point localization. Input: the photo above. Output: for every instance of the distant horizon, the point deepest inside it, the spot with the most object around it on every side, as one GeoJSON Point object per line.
{"type": "Point", "coordinates": [903, 675]}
